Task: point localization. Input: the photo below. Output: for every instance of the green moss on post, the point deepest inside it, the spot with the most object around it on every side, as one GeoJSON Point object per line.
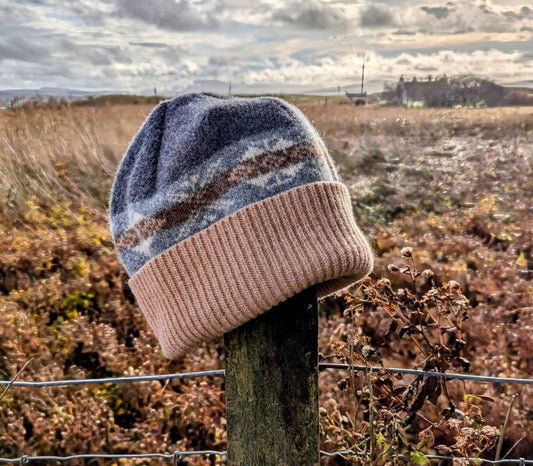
{"type": "Point", "coordinates": [272, 386]}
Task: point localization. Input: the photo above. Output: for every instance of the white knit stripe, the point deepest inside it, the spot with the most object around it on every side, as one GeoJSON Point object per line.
{"type": "Point", "coordinates": [194, 180]}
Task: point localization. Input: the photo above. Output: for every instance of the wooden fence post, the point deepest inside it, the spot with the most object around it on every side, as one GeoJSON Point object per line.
{"type": "Point", "coordinates": [272, 386]}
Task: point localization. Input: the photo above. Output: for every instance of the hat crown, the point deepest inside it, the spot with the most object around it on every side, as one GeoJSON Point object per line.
{"type": "Point", "coordinates": [200, 157]}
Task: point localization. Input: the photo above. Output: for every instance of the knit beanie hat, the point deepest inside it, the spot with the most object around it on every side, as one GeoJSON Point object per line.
{"type": "Point", "coordinates": [223, 207]}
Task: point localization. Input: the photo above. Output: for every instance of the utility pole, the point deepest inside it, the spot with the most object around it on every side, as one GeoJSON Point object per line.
{"type": "Point", "coordinates": [363, 77]}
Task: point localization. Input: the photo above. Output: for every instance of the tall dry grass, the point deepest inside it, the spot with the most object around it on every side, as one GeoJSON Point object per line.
{"type": "Point", "coordinates": [426, 122]}
{"type": "Point", "coordinates": [65, 154]}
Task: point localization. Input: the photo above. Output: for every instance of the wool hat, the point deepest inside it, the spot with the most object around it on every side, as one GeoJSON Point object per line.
{"type": "Point", "coordinates": [223, 207]}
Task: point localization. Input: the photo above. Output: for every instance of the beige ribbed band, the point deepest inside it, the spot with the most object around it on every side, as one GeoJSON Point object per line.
{"type": "Point", "coordinates": [250, 261]}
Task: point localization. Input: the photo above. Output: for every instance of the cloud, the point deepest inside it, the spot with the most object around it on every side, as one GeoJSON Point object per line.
{"type": "Point", "coordinates": [492, 64]}
{"type": "Point", "coordinates": [220, 61]}
{"type": "Point", "coordinates": [105, 55]}
{"type": "Point", "coordinates": [89, 14]}
{"type": "Point", "coordinates": [526, 57]}
{"type": "Point", "coordinates": [152, 45]}
{"type": "Point", "coordinates": [403, 32]}
{"type": "Point", "coordinates": [425, 68]}
{"type": "Point", "coordinates": [376, 16]}
{"type": "Point", "coordinates": [14, 17]}
{"type": "Point", "coordinates": [177, 15]}
{"type": "Point", "coordinates": [457, 29]}
{"type": "Point", "coordinates": [404, 61]}
{"type": "Point", "coordinates": [455, 18]}
{"type": "Point", "coordinates": [439, 12]}
{"type": "Point", "coordinates": [311, 15]}
{"type": "Point", "coordinates": [134, 45]}
{"type": "Point", "coordinates": [524, 13]}
{"type": "Point", "coordinates": [17, 47]}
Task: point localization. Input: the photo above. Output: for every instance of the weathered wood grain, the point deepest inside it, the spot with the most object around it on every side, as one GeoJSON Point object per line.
{"type": "Point", "coordinates": [272, 386]}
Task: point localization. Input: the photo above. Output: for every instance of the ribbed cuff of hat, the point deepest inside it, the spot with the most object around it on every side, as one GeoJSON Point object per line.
{"type": "Point", "coordinates": [250, 261]}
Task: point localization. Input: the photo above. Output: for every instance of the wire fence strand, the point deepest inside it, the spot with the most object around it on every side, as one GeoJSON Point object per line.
{"type": "Point", "coordinates": [182, 454]}
{"type": "Point", "coordinates": [434, 457]}
{"type": "Point", "coordinates": [127, 379]}
{"type": "Point", "coordinates": [168, 456]}
{"type": "Point", "coordinates": [220, 372]}
{"type": "Point", "coordinates": [445, 375]}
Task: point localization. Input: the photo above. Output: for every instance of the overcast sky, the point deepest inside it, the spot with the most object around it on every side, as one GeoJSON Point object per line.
{"type": "Point", "coordinates": [134, 45]}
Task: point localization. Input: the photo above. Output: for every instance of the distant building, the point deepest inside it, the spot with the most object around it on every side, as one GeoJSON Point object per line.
{"type": "Point", "coordinates": [463, 90]}
{"type": "Point", "coordinates": [358, 98]}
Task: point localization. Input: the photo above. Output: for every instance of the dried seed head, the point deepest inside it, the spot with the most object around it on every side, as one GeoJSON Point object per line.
{"type": "Point", "coordinates": [393, 268]}
{"type": "Point", "coordinates": [454, 286]}
{"type": "Point", "coordinates": [427, 274]}
{"type": "Point", "coordinates": [490, 431]}
{"type": "Point", "coordinates": [332, 403]}
{"type": "Point", "coordinates": [367, 351]}
{"type": "Point", "coordinates": [407, 252]}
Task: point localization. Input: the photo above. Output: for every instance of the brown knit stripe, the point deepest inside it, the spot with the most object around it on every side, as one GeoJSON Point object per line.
{"type": "Point", "coordinates": [221, 184]}
{"type": "Point", "coordinates": [270, 250]}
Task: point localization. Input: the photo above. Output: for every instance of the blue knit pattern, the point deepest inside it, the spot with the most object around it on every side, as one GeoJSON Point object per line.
{"type": "Point", "coordinates": [200, 157]}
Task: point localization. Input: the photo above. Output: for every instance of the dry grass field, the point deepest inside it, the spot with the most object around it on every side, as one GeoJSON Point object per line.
{"type": "Point", "coordinates": [454, 185]}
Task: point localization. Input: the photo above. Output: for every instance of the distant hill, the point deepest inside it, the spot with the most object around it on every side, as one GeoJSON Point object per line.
{"type": "Point", "coordinates": [45, 93]}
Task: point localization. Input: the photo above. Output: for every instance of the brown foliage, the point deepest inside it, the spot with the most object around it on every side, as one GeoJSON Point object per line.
{"type": "Point", "coordinates": [451, 185]}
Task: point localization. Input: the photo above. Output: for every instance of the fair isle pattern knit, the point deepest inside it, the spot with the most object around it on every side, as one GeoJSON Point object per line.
{"type": "Point", "coordinates": [223, 207]}
{"type": "Point", "coordinates": [200, 157]}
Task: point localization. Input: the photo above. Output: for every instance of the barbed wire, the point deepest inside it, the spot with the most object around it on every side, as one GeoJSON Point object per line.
{"type": "Point", "coordinates": [181, 454]}
{"type": "Point", "coordinates": [220, 372]}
